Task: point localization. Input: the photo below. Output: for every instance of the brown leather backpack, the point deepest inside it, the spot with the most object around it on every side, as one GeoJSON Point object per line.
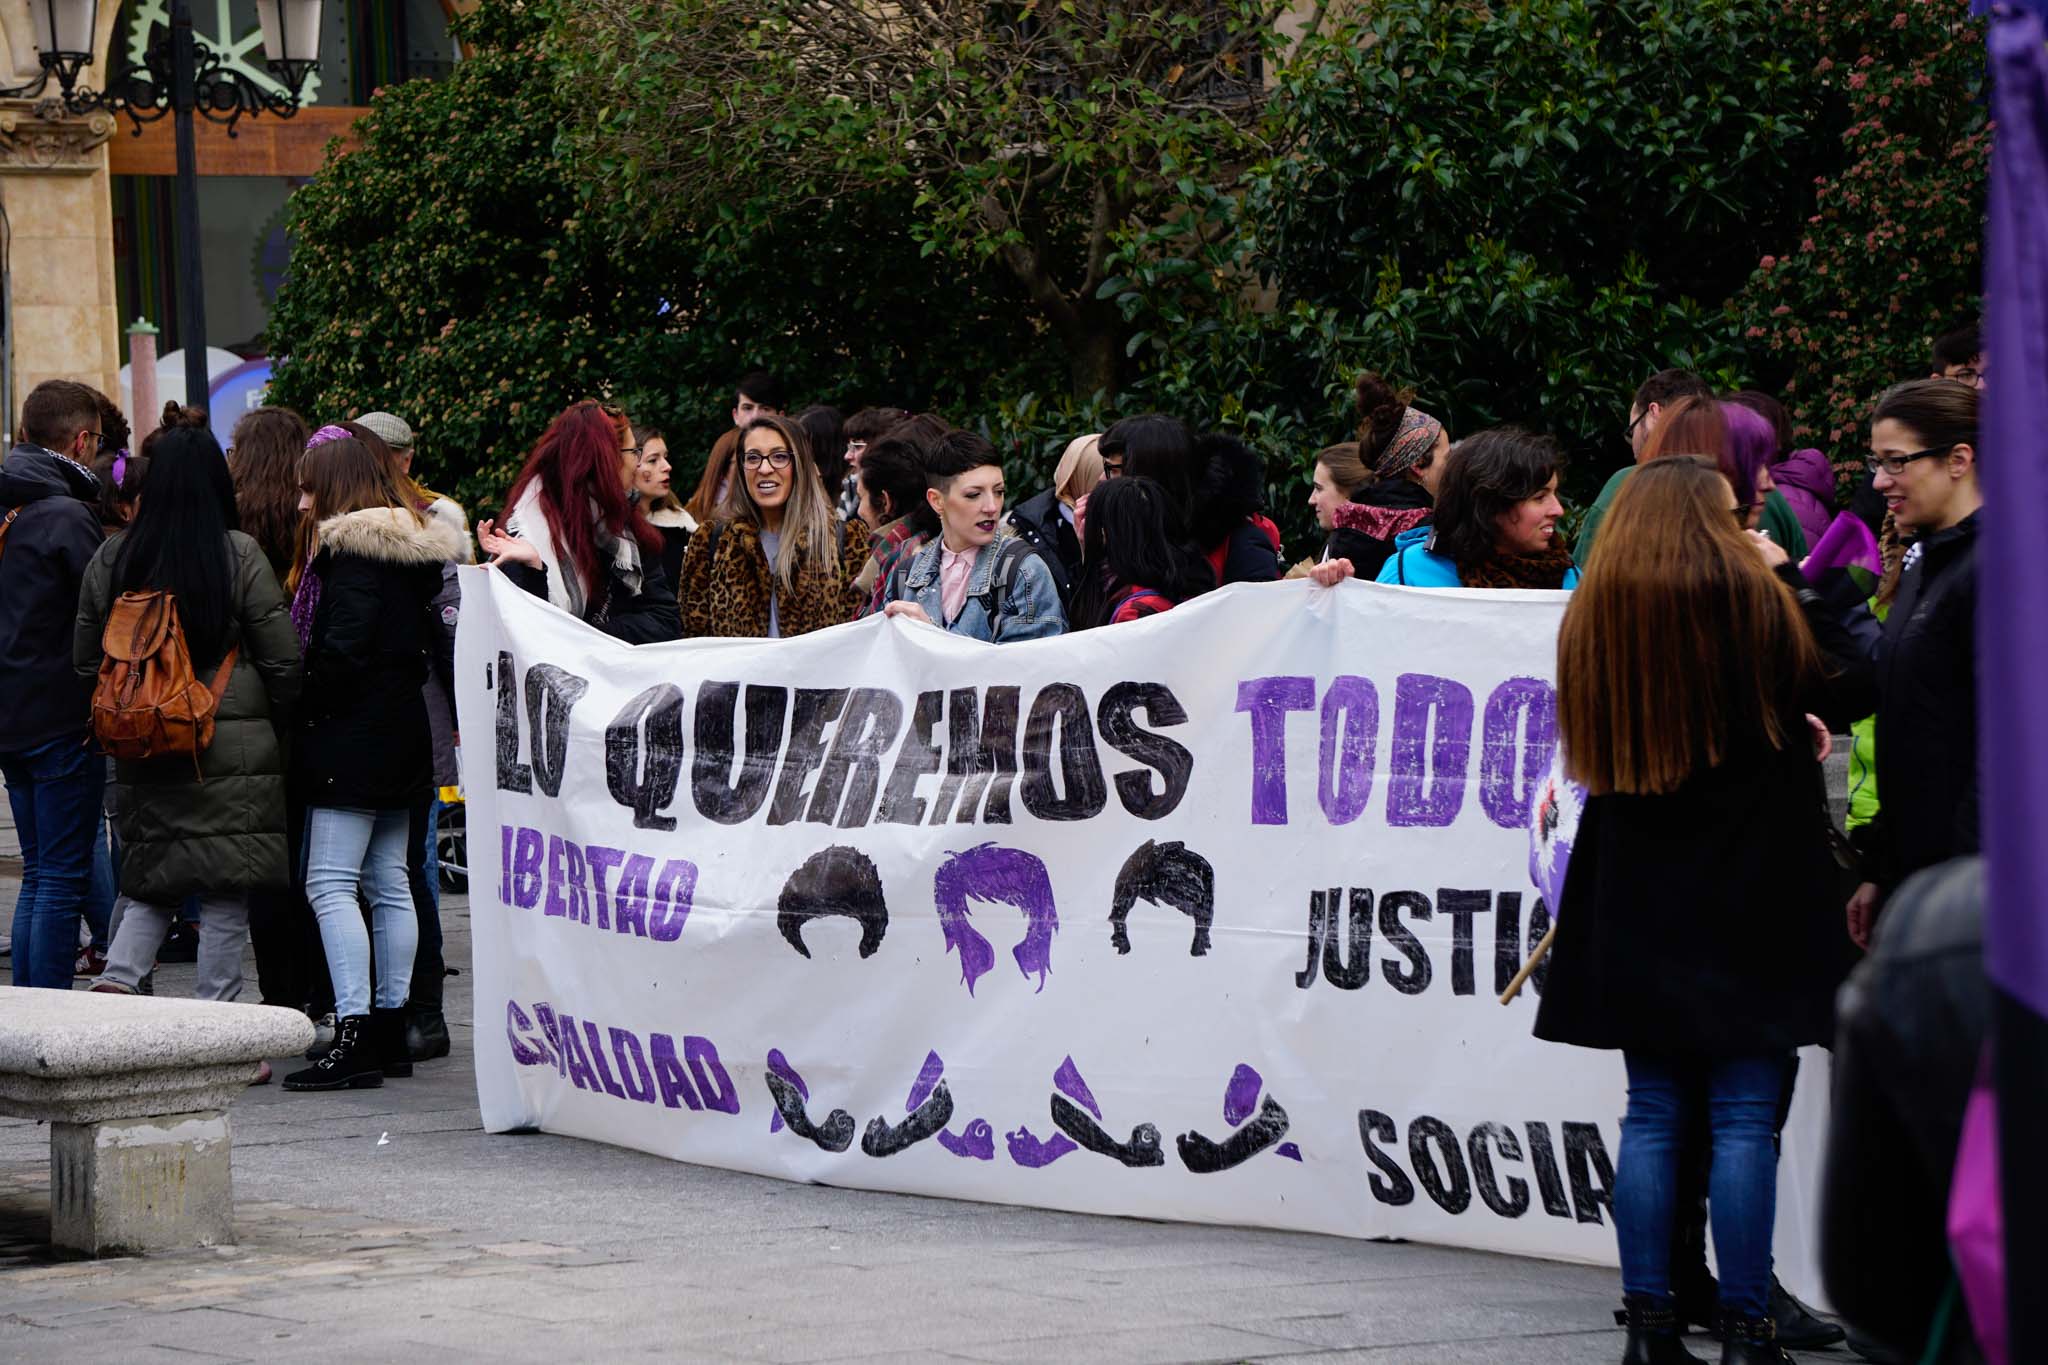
{"type": "Point", "coordinates": [148, 703]}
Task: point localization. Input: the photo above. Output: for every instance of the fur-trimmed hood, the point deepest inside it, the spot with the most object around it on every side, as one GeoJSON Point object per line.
{"type": "Point", "coordinates": [671, 519]}
{"type": "Point", "coordinates": [394, 535]}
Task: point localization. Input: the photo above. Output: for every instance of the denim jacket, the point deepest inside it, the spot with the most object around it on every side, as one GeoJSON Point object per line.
{"type": "Point", "coordinates": [1030, 610]}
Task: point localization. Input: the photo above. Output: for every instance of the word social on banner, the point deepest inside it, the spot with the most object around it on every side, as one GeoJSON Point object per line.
{"type": "Point", "coordinates": [1200, 917]}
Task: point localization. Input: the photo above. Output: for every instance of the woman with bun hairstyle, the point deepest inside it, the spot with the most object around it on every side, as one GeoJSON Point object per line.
{"type": "Point", "coordinates": [571, 534]}
{"type": "Point", "coordinates": [1366, 493]}
{"type": "Point", "coordinates": [778, 560]}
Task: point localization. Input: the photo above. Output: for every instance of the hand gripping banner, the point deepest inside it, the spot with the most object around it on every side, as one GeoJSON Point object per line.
{"type": "Point", "coordinates": [1201, 917]}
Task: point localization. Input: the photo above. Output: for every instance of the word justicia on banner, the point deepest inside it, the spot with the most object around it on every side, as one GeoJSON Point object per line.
{"type": "Point", "coordinates": [1201, 917]}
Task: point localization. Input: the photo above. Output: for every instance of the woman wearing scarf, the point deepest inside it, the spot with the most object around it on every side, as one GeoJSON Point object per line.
{"type": "Point", "coordinates": [1496, 518]}
{"type": "Point", "coordinates": [572, 535]}
{"type": "Point", "coordinates": [1390, 476]}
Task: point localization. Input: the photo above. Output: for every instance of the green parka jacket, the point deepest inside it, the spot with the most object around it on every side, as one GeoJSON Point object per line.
{"type": "Point", "coordinates": [221, 832]}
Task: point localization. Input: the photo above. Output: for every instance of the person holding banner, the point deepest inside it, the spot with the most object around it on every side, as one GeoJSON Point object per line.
{"type": "Point", "coordinates": [1133, 562]}
{"type": "Point", "coordinates": [975, 578]}
{"type": "Point", "coordinates": [1496, 520]}
{"type": "Point", "coordinates": [364, 755]}
{"type": "Point", "coordinates": [778, 560]}
{"type": "Point", "coordinates": [1696, 931]}
{"type": "Point", "coordinates": [571, 534]}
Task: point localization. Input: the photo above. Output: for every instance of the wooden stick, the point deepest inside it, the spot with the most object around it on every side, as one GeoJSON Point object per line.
{"type": "Point", "coordinates": [1535, 959]}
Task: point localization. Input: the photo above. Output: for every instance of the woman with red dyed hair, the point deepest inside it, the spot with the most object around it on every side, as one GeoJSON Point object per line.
{"type": "Point", "coordinates": [572, 534]}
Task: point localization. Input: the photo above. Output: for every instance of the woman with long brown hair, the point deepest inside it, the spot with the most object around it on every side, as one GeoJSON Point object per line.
{"type": "Point", "coordinates": [778, 560]}
{"type": "Point", "coordinates": [263, 459]}
{"type": "Point", "coordinates": [716, 480]}
{"type": "Point", "coordinates": [363, 760]}
{"type": "Point", "coordinates": [1698, 930]}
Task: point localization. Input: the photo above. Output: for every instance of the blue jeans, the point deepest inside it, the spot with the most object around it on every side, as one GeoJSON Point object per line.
{"type": "Point", "coordinates": [1740, 1099]}
{"type": "Point", "coordinates": [54, 790]}
{"type": "Point", "coordinates": [348, 851]}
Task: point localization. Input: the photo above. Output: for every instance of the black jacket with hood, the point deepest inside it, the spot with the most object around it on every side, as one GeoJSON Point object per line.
{"type": "Point", "coordinates": [363, 740]}
{"type": "Point", "coordinates": [54, 535]}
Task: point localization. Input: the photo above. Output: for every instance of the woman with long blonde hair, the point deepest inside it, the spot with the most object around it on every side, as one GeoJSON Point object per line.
{"type": "Point", "coordinates": [778, 559]}
{"type": "Point", "coordinates": [1699, 930]}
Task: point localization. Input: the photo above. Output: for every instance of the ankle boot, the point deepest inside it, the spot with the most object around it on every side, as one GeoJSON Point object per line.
{"type": "Point", "coordinates": [1750, 1341]}
{"type": "Point", "coordinates": [426, 1035]}
{"type": "Point", "coordinates": [1653, 1333]}
{"type": "Point", "coordinates": [1799, 1327]}
{"type": "Point", "coordinates": [350, 1062]}
{"type": "Point", "coordinates": [387, 1034]}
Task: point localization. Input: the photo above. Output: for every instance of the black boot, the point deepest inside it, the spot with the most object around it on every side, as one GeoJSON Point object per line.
{"type": "Point", "coordinates": [1750, 1341]}
{"type": "Point", "coordinates": [426, 1035]}
{"type": "Point", "coordinates": [1652, 1333]}
{"type": "Point", "coordinates": [1799, 1327]}
{"type": "Point", "coordinates": [387, 1032]}
{"type": "Point", "coordinates": [350, 1062]}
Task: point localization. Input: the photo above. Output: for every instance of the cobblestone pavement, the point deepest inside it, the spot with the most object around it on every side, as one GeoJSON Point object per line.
{"type": "Point", "coordinates": [385, 1225]}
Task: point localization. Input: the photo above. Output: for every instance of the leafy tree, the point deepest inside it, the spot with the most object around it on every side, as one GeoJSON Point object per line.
{"type": "Point", "coordinates": [1889, 259]}
{"type": "Point", "coordinates": [1523, 209]}
{"type": "Point", "coordinates": [1029, 135]}
{"type": "Point", "coordinates": [459, 271]}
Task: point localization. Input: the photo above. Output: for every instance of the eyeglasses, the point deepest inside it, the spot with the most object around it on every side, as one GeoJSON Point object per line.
{"type": "Point", "coordinates": [1113, 467]}
{"type": "Point", "coordinates": [1628, 433]}
{"type": "Point", "coordinates": [634, 451]}
{"type": "Point", "coordinates": [774, 459]}
{"type": "Point", "coordinates": [1895, 465]}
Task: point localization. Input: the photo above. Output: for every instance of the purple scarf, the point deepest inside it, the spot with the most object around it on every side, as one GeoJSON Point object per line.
{"type": "Point", "coordinates": [305, 602]}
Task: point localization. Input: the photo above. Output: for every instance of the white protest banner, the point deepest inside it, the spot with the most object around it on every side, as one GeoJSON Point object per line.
{"type": "Point", "coordinates": [1199, 918]}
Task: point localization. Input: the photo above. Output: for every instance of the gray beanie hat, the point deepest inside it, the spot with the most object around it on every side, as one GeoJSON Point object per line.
{"type": "Point", "coordinates": [390, 428]}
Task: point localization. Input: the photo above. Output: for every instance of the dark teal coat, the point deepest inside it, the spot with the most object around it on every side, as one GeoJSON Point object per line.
{"type": "Point", "coordinates": [223, 831]}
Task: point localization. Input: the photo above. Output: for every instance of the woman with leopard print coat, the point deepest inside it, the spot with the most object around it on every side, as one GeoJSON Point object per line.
{"type": "Point", "coordinates": [778, 559]}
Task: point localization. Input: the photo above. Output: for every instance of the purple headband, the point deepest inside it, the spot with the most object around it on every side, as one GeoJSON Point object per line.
{"type": "Point", "coordinates": [330, 432]}
{"type": "Point", "coordinates": [120, 469]}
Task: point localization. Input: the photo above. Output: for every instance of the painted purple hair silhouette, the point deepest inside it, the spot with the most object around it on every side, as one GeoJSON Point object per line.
{"type": "Point", "coordinates": [992, 873]}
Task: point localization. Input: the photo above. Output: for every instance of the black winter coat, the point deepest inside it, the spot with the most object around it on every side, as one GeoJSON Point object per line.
{"type": "Point", "coordinates": [363, 739]}
{"type": "Point", "coordinates": [1366, 526]}
{"type": "Point", "coordinates": [1709, 921]}
{"type": "Point", "coordinates": [220, 830]}
{"type": "Point", "coordinates": [1914, 1018]}
{"type": "Point", "coordinates": [1926, 702]}
{"type": "Point", "coordinates": [1039, 522]}
{"type": "Point", "coordinates": [54, 535]}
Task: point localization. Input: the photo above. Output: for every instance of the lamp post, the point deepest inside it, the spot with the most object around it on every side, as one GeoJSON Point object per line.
{"type": "Point", "coordinates": [180, 76]}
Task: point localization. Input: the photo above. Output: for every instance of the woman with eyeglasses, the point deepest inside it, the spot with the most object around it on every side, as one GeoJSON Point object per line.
{"type": "Point", "coordinates": [572, 535]}
{"type": "Point", "coordinates": [1923, 459]}
{"type": "Point", "coordinates": [778, 559]}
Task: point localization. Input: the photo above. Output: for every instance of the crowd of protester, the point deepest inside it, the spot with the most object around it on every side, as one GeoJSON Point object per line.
{"type": "Point", "coordinates": [1732, 609]}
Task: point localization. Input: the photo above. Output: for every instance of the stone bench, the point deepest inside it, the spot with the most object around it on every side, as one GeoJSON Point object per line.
{"type": "Point", "coordinates": [136, 1092]}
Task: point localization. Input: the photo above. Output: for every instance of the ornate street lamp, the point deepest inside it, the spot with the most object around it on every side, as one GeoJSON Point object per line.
{"type": "Point", "coordinates": [181, 76]}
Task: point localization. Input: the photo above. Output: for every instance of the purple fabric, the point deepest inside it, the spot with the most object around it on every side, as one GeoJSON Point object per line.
{"type": "Point", "coordinates": [1847, 543]}
{"type": "Point", "coordinates": [305, 601]}
{"type": "Point", "coordinates": [2012, 626]}
{"type": "Point", "coordinates": [1807, 481]}
{"type": "Point", "coordinates": [1976, 1224]}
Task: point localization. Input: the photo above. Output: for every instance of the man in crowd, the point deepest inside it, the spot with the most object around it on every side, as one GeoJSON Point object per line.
{"type": "Point", "coordinates": [1657, 393]}
{"type": "Point", "coordinates": [759, 395]}
{"type": "Point", "coordinates": [1960, 356]}
{"type": "Point", "coordinates": [49, 531]}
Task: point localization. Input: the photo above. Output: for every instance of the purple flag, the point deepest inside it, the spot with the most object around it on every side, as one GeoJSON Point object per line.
{"type": "Point", "coordinates": [2012, 646]}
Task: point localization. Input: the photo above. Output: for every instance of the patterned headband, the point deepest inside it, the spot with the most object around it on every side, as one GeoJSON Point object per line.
{"type": "Point", "coordinates": [330, 432]}
{"type": "Point", "coordinates": [1414, 438]}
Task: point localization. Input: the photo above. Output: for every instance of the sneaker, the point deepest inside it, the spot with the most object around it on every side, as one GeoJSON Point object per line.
{"type": "Point", "coordinates": [91, 962]}
{"type": "Point", "coordinates": [105, 987]}
{"type": "Point", "coordinates": [323, 1037]}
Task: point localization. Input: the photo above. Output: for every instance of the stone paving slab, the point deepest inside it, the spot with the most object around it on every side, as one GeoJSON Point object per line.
{"type": "Point", "coordinates": [446, 1244]}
